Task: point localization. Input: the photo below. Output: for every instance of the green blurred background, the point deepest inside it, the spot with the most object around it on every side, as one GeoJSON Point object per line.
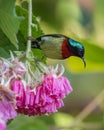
{"type": "Point", "coordinates": [82, 20]}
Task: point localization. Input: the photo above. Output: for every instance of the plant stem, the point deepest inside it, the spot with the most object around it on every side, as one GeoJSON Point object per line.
{"type": "Point", "coordinates": [29, 27]}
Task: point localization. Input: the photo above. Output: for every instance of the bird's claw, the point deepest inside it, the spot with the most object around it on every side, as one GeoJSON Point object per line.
{"type": "Point", "coordinates": [31, 38]}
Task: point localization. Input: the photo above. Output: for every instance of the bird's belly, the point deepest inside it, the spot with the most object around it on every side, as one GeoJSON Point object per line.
{"type": "Point", "coordinates": [52, 50]}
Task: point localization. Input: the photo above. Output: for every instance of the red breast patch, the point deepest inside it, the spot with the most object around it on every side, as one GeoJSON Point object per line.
{"type": "Point", "coordinates": [65, 49]}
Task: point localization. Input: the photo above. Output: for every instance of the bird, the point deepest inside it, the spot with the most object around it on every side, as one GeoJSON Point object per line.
{"type": "Point", "coordinates": [59, 46]}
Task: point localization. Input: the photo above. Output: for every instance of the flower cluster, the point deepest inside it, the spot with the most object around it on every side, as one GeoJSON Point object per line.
{"type": "Point", "coordinates": [45, 99]}
{"type": "Point", "coordinates": [30, 90]}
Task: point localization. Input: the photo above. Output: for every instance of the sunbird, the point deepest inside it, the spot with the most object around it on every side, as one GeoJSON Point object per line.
{"type": "Point", "coordinates": [58, 46]}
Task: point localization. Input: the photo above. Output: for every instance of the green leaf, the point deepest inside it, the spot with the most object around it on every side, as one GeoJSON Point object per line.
{"type": "Point", "coordinates": [5, 45]}
{"type": "Point", "coordinates": [9, 22]}
{"type": "Point", "coordinates": [27, 123]}
{"type": "Point", "coordinates": [39, 55]}
{"type": "Point", "coordinates": [23, 32]}
{"type": "Point", "coordinates": [36, 29]}
{"type": "Point", "coordinates": [3, 53]}
{"type": "Point", "coordinates": [5, 40]}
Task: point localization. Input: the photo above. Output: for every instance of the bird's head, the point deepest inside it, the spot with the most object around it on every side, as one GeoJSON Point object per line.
{"type": "Point", "coordinates": [77, 49]}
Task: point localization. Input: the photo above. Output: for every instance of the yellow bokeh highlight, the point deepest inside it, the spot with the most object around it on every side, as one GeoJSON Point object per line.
{"type": "Point", "coordinates": [76, 65]}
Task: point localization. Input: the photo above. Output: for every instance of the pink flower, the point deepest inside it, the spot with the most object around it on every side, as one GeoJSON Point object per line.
{"type": "Point", "coordinates": [2, 124]}
{"type": "Point", "coordinates": [45, 99]}
{"type": "Point", "coordinates": [7, 106]}
{"type": "Point", "coordinates": [50, 94]}
{"type": "Point", "coordinates": [30, 90]}
{"type": "Point", "coordinates": [7, 110]}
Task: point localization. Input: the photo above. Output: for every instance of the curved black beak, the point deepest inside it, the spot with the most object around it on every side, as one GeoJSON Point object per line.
{"type": "Point", "coordinates": [84, 61]}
